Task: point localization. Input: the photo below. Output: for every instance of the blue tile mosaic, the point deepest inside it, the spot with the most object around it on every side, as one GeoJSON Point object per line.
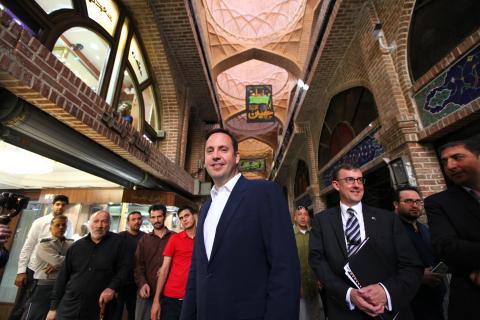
{"type": "Point", "coordinates": [365, 151]}
{"type": "Point", "coordinates": [451, 90]}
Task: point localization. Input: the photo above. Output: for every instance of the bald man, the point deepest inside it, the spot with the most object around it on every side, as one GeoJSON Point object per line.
{"type": "Point", "coordinates": [95, 268]}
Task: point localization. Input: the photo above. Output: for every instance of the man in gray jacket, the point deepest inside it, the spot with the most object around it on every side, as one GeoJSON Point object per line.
{"type": "Point", "coordinates": [49, 255]}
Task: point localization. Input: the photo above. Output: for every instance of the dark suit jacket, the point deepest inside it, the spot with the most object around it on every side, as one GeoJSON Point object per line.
{"type": "Point", "coordinates": [454, 219]}
{"type": "Point", "coordinates": [328, 255]}
{"type": "Point", "coordinates": [253, 271]}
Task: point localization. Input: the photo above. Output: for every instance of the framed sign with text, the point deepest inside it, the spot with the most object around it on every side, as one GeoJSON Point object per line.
{"type": "Point", "coordinates": [259, 103]}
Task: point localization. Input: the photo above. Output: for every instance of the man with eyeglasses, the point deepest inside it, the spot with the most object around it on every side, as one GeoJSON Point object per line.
{"type": "Point", "coordinates": [454, 220]}
{"type": "Point", "coordinates": [337, 231]}
{"type": "Point", "coordinates": [428, 302]}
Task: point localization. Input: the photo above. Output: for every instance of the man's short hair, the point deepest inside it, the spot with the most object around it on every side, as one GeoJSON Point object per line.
{"type": "Point", "coordinates": [343, 166]}
{"type": "Point", "coordinates": [193, 211]}
{"type": "Point", "coordinates": [59, 217]}
{"type": "Point", "coordinates": [156, 207]}
{"type": "Point", "coordinates": [396, 194]}
{"type": "Point", "coordinates": [132, 213]}
{"type": "Point", "coordinates": [228, 133]}
{"type": "Point", "coordinates": [472, 145]}
{"type": "Point", "coordinates": [60, 197]}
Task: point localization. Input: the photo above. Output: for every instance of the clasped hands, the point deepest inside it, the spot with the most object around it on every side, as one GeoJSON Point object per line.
{"type": "Point", "coordinates": [371, 299]}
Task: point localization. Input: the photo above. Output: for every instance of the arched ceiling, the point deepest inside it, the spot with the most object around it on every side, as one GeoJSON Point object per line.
{"type": "Point", "coordinates": [253, 42]}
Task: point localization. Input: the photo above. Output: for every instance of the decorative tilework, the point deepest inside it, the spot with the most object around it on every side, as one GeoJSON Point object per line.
{"type": "Point", "coordinates": [365, 151]}
{"type": "Point", "coordinates": [451, 90]}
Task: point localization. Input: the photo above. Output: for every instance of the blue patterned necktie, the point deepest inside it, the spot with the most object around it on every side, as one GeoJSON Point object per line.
{"type": "Point", "coordinates": [352, 231]}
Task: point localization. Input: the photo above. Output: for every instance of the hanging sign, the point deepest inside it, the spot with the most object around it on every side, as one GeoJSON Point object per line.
{"type": "Point", "coordinates": [259, 103]}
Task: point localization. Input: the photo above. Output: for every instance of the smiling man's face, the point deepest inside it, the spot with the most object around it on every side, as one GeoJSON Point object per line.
{"type": "Point", "coordinates": [221, 160]}
{"type": "Point", "coordinates": [350, 193]}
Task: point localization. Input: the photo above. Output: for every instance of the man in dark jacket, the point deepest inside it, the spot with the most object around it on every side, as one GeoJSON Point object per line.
{"type": "Point", "coordinates": [95, 267]}
{"type": "Point", "coordinates": [454, 219]}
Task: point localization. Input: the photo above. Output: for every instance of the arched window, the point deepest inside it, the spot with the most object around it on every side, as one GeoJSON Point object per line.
{"type": "Point", "coordinates": [348, 114]}
{"type": "Point", "coordinates": [85, 53]}
{"type": "Point", "coordinates": [97, 41]}
{"type": "Point", "coordinates": [302, 178]}
{"type": "Point", "coordinates": [436, 28]}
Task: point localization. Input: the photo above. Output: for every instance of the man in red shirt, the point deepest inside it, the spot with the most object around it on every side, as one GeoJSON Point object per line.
{"type": "Point", "coordinates": [172, 276]}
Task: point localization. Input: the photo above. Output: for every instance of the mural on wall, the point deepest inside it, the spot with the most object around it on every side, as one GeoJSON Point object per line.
{"type": "Point", "coordinates": [451, 90]}
{"type": "Point", "coordinates": [365, 151]}
{"type": "Point", "coordinates": [259, 103]}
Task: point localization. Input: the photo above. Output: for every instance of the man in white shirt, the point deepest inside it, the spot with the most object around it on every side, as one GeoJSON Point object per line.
{"type": "Point", "coordinates": [336, 232]}
{"type": "Point", "coordinates": [244, 263]}
{"type": "Point", "coordinates": [39, 230]}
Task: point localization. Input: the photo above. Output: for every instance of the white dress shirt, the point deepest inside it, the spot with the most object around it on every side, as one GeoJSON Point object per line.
{"type": "Point", "coordinates": [359, 215]}
{"type": "Point", "coordinates": [39, 230]}
{"type": "Point", "coordinates": [219, 200]}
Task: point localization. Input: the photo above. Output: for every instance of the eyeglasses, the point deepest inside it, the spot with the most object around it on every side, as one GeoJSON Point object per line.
{"type": "Point", "coordinates": [418, 202]}
{"type": "Point", "coordinates": [351, 180]}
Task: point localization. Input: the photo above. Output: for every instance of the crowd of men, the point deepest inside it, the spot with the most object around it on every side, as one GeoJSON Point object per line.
{"type": "Point", "coordinates": [241, 258]}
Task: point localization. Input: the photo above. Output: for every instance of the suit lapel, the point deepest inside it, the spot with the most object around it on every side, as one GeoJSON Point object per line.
{"type": "Point", "coordinates": [472, 206]}
{"type": "Point", "coordinates": [369, 220]}
{"type": "Point", "coordinates": [337, 226]}
{"type": "Point", "coordinates": [201, 222]}
{"type": "Point", "coordinates": [228, 212]}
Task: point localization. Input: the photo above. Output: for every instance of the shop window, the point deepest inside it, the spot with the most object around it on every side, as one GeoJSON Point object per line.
{"type": "Point", "coordinates": [104, 12]}
{"type": "Point", "coordinates": [135, 57]}
{"type": "Point", "coordinates": [437, 27]}
{"type": "Point", "coordinates": [151, 112]}
{"type": "Point", "coordinates": [85, 53]}
{"type": "Point", "coordinates": [128, 102]}
{"type": "Point", "coordinates": [302, 178]}
{"type": "Point", "coordinates": [53, 5]}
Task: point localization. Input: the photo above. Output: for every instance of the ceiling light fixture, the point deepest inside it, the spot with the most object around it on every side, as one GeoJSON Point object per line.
{"type": "Point", "coordinates": [379, 35]}
{"type": "Point", "coordinates": [302, 85]}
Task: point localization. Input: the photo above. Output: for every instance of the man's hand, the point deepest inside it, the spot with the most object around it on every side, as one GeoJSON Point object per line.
{"type": "Point", "coordinates": [475, 277]}
{"type": "Point", "coordinates": [50, 269]}
{"type": "Point", "coordinates": [430, 278]}
{"type": "Point", "coordinates": [51, 315]}
{"type": "Point", "coordinates": [361, 303]}
{"type": "Point", "coordinates": [144, 291]}
{"type": "Point", "coordinates": [21, 279]}
{"type": "Point", "coordinates": [5, 233]}
{"type": "Point", "coordinates": [106, 296]}
{"type": "Point", "coordinates": [374, 294]}
{"type": "Point", "coordinates": [155, 311]}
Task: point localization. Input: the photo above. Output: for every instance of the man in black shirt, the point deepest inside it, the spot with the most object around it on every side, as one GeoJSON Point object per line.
{"type": "Point", "coordinates": [128, 293]}
{"type": "Point", "coordinates": [95, 267]}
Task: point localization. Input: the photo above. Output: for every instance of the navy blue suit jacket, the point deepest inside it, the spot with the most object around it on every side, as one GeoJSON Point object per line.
{"type": "Point", "coordinates": [253, 271]}
{"type": "Point", "coordinates": [454, 219]}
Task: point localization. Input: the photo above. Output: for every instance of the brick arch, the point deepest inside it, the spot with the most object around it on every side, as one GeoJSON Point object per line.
{"type": "Point", "coordinates": [258, 54]}
{"type": "Point", "coordinates": [342, 86]}
{"type": "Point", "coordinates": [401, 59]}
{"type": "Point", "coordinates": [260, 139]}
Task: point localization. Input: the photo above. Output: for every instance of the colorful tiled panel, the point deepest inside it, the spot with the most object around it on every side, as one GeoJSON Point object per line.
{"type": "Point", "coordinates": [365, 151]}
{"type": "Point", "coordinates": [451, 90]}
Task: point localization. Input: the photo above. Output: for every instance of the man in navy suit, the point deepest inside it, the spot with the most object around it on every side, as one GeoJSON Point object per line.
{"type": "Point", "coordinates": [338, 230]}
{"type": "Point", "coordinates": [245, 263]}
{"type": "Point", "coordinates": [454, 219]}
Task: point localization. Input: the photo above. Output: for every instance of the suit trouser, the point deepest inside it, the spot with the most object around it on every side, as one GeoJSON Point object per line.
{"type": "Point", "coordinates": [22, 297]}
{"type": "Point", "coordinates": [171, 308]}
{"type": "Point", "coordinates": [143, 308]}
{"type": "Point", "coordinates": [39, 304]}
{"type": "Point", "coordinates": [127, 296]}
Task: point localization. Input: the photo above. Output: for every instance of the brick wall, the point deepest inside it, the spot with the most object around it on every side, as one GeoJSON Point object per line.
{"type": "Point", "coordinates": [30, 71]}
